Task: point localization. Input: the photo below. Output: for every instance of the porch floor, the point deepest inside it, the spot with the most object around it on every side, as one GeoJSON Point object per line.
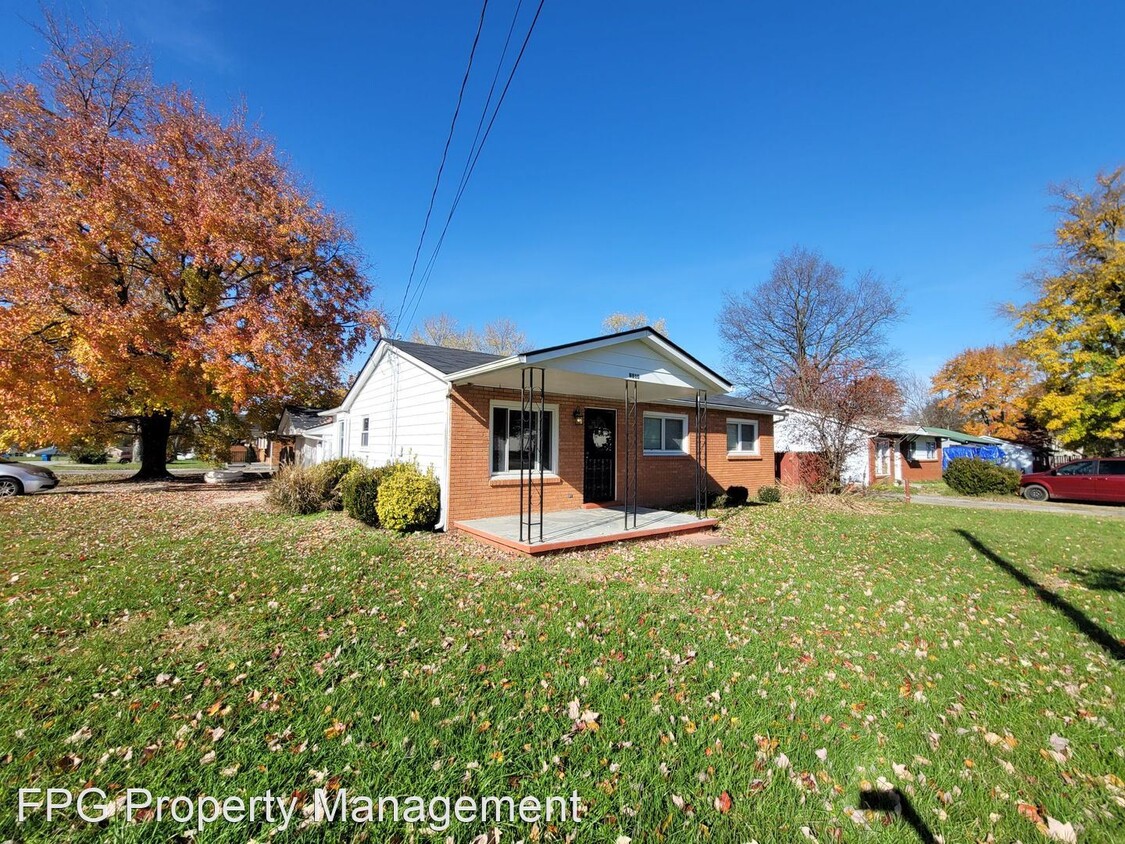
{"type": "Point", "coordinates": [565, 530]}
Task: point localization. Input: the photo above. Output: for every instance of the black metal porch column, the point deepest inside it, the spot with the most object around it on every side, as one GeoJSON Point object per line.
{"type": "Point", "coordinates": [701, 476]}
{"type": "Point", "coordinates": [533, 400]}
{"type": "Point", "coordinates": [632, 449]}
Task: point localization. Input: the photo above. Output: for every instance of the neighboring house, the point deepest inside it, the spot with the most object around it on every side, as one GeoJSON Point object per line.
{"type": "Point", "coordinates": [303, 436]}
{"type": "Point", "coordinates": [881, 451]}
{"type": "Point", "coordinates": [620, 425]}
{"type": "Point", "coordinates": [1004, 452]}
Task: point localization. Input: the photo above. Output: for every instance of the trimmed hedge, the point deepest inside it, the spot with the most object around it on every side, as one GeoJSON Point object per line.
{"type": "Point", "coordinates": [769, 494]}
{"type": "Point", "coordinates": [736, 496]}
{"type": "Point", "coordinates": [969, 476]}
{"type": "Point", "coordinates": [408, 498]}
{"type": "Point", "coordinates": [359, 491]}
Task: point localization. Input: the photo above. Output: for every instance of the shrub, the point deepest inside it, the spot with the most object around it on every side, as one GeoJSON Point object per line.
{"type": "Point", "coordinates": [87, 451]}
{"type": "Point", "coordinates": [329, 474]}
{"type": "Point", "coordinates": [297, 490]}
{"type": "Point", "coordinates": [769, 494]}
{"type": "Point", "coordinates": [737, 496]}
{"type": "Point", "coordinates": [409, 499]}
{"type": "Point", "coordinates": [359, 490]}
{"type": "Point", "coordinates": [970, 476]}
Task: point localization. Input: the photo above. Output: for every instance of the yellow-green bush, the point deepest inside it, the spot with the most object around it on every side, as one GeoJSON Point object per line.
{"type": "Point", "coordinates": [408, 498]}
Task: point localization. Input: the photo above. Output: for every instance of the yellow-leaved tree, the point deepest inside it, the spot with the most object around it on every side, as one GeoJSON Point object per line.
{"type": "Point", "coordinates": [1074, 330]}
{"type": "Point", "coordinates": [989, 387]}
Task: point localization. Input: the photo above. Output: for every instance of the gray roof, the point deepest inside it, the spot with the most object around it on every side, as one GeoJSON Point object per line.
{"type": "Point", "coordinates": [445, 361]}
{"type": "Point", "coordinates": [303, 418]}
{"type": "Point", "coordinates": [749, 404]}
{"type": "Point", "coordinates": [725, 400]}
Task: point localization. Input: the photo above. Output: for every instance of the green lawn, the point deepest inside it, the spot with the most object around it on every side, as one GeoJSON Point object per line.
{"type": "Point", "coordinates": [193, 642]}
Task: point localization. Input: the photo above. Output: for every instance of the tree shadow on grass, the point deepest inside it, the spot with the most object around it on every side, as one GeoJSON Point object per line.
{"type": "Point", "coordinates": [895, 803]}
{"type": "Point", "coordinates": [1100, 578]}
{"type": "Point", "coordinates": [1083, 623]}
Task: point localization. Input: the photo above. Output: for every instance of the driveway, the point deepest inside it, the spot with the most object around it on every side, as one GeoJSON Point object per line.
{"type": "Point", "coordinates": [1111, 511]}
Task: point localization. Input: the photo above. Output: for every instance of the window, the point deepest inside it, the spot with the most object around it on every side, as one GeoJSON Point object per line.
{"type": "Point", "coordinates": [1084, 467]}
{"type": "Point", "coordinates": [341, 454]}
{"type": "Point", "coordinates": [742, 436]}
{"type": "Point", "coordinates": [665, 434]}
{"type": "Point", "coordinates": [882, 458]}
{"type": "Point", "coordinates": [514, 432]}
{"type": "Point", "coordinates": [925, 450]}
{"type": "Point", "coordinates": [365, 432]}
{"type": "Point", "coordinates": [1111, 467]}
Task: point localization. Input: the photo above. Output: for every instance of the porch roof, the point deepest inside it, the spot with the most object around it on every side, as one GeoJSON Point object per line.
{"type": "Point", "coordinates": [599, 366]}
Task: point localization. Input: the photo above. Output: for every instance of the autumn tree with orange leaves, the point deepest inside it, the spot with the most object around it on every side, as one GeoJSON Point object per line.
{"type": "Point", "coordinates": [990, 387]}
{"type": "Point", "coordinates": [156, 262]}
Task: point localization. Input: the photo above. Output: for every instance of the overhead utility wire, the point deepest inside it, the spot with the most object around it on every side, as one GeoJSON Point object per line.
{"type": "Point", "coordinates": [474, 156]}
{"type": "Point", "coordinates": [444, 155]}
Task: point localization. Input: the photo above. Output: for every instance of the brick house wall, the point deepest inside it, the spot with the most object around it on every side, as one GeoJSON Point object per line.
{"type": "Point", "coordinates": [911, 470]}
{"type": "Point", "coordinates": [662, 480]}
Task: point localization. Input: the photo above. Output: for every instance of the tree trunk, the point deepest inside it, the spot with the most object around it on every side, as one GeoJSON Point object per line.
{"type": "Point", "coordinates": [154, 431]}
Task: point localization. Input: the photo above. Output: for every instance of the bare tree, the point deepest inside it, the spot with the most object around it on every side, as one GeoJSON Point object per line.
{"type": "Point", "coordinates": [923, 407]}
{"type": "Point", "coordinates": [805, 319]}
{"type": "Point", "coordinates": [499, 337]}
{"type": "Point", "coordinates": [836, 410]}
{"type": "Point", "coordinates": [618, 322]}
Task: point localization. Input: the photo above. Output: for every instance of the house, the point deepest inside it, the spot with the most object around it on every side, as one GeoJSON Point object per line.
{"type": "Point", "coordinates": [534, 451]}
{"type": "Point", "coordinates": [1005, 453]}
{"type": "Point", "coordinates": [303, 436]}
{"type": "Point", "coordinates": [879, 451]}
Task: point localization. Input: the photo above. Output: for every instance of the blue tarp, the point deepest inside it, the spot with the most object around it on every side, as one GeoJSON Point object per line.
{"type": "Point", "coordinates": [991, 453]}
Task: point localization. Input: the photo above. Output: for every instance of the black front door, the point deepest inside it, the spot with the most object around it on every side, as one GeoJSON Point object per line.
{"type": "Point", "coordinates": [600, 476]}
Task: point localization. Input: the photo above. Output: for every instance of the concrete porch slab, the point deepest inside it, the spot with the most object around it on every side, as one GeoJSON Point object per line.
{"type": "Point", "coordinates": [566, 530]}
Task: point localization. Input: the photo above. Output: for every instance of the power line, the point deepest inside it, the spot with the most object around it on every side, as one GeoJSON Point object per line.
{"type": "Point", "coordinates": [444, 155]}
{"type": "Point", "coordinates": [474, 156]}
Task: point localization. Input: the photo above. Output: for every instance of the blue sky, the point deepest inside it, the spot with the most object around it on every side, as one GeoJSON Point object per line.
{"type": "Point", "coordinates": [651, 155]}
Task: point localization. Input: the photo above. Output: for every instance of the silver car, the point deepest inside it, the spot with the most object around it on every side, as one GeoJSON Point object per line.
{"type": "Point", "coordinates": [18, 478]}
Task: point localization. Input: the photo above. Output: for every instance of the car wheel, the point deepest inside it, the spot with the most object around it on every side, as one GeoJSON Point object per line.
{"type": "Point", "coordinates": [1034, 492]}
{"type": "Point", "coordinates": [9, 487]}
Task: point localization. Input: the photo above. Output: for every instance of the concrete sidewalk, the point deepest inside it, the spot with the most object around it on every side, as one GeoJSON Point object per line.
{"type": "Point", "coordinates": [1110, 511]}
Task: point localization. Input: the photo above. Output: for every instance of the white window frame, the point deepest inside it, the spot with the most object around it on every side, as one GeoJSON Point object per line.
{"type": "Point", "coordinates": [757, 443]}
{"type": "Point", "coordinates": [888, 458]}
{"type": "Point", "coordinates": [666, 452]}
{"type": "Point", "coordinates": [553, 409]}
{"type": "Point", "coordinates": [342, 439]}
{"type": "Point", "coordinates": [920, 455]}
{"type": "Point", "coordinates": [365, 432]}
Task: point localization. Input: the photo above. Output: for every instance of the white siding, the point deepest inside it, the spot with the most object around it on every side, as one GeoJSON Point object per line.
{"type": "Point", "coordinates": [795, 433]}
{"type": "Point", "coordinates": [407, 408]}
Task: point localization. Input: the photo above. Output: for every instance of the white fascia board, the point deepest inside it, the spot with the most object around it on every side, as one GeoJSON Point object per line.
{"type": "Point", "coordinates": [538, 358]}
{"type": "Point", "coordinates": [381, 350]}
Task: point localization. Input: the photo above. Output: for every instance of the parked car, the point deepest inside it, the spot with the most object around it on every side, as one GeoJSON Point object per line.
{"type": "Point", "coordinates": [1092, 479]}
{"type": "Point", "coordinates": [19, 478]}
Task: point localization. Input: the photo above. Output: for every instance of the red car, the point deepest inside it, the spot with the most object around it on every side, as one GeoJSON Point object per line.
{"type": "Point", "coordinates": [1093, 479]}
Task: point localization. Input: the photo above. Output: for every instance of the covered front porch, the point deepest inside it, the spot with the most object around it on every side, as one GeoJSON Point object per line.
{"type": "Point", "coordinates": [566, 530]}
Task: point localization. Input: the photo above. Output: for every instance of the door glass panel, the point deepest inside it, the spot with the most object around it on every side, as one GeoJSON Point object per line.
{"type": "Point", "coordinates": [1112, 467]}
